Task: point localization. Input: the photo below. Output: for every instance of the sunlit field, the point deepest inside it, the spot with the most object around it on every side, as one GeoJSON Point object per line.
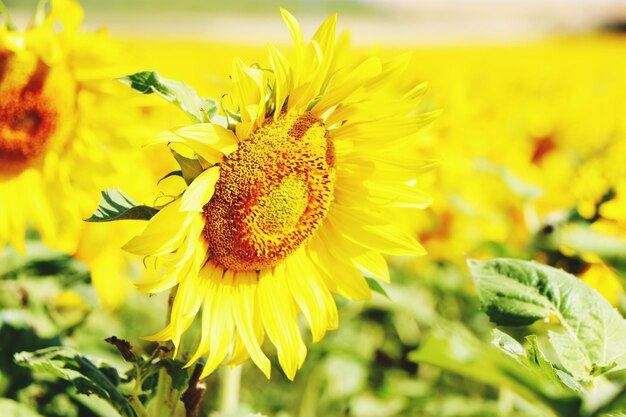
{"type": "Point", "coordinates": [205, 225]}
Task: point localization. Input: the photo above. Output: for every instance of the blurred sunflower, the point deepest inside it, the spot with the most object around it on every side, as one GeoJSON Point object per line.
{"type": "Point", "coordinates": [302, 189]}
{"type": "Point", "coordinates": [57, 145]}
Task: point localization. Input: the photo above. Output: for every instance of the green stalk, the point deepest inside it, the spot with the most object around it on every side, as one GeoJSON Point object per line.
{"type": "Point", "coordinates": [230, 384]}
{"type": "Point", "coordinates": [163, 404]}
{"type": "Point", "coordinates": [137, 407]}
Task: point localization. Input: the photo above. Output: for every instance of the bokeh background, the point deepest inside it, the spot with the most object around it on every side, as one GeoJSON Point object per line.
{"type": "Point", "coordinates": [529, 161]}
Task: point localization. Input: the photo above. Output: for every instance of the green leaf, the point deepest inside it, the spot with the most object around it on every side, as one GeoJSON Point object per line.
{"type": "Point", "coordinates": [85, 375]}
{"type": "Point", "coordinates": [376, 287]}
{"type": "Point", "coordinates": [115, 205]}
{"type": "Point", "coordinates": [177, 92]}
{"type": "Point", "coordinates": [176, 371]}
{"type": "Point", "coordinates": [516, 293]}
{"type": "Point", "coordinates": [534, 359]}
{"type": "Point", "coordinates": [507, 344]}
{"type": "Point", "coordinates": [190, 168]}
{"type": "Point", "coordinates": [572, 355]}
{"type": "Point", "coordinates": [539, 364]}
{"type": "Point", "coordinates": [452, 347]}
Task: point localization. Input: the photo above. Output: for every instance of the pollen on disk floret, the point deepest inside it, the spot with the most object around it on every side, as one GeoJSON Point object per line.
{"type": "Point", "coordinates": [272, 195]}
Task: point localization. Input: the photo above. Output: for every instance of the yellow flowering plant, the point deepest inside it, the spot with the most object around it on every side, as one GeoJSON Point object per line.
{"type": "Point", "coordinates": [64, 136]}
{"type": "Point", "coordinates": [292, 190]}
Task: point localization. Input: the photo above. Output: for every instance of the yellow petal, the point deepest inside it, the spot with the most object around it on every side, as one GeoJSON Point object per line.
{"type": "Point", "coordinates": [372, 264]}
{"type": "Point", "coordinates": [222, 327]}
{"type": "Point", "coordinates": [68, 12]}
{"type": "Point", "coordinates": [186, 305]}
{"type": "Point", "coordinates": [243, 305]}
{"type": "Point", "coordinates": [208, 140]}
{"type": "Point", "coordinates": [164, 283]}
{"type": "Point", "coordinates": [161, 336]}
{"type": "Point", "coordinates": [401, 195]}
{"type": "Point", "coordinates": [283, 79]}
{"type": "Point", "coordinates": [280, 319]}
{"type": "Point", "coordinates": [298, 40]}
{"type": "Point", "coordinates": [163, 232]}
{"type": "Point", "coordinates": [311, 294]}
{"type": "Point", "coordinates": [200, 190]}
{"type": "Point", "coordinates": [343, 85]}
{"type": "Point", "coordinates": [340, 275]}
{"type": "Point", "coordinates": [249, 92]}
{"type": "Point", "coordinates": [385, 239]}
{"type": "Point", "coordinates": [209, 276]}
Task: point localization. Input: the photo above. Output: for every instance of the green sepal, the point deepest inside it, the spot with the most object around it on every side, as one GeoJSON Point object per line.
{"type": "Point", "coordinates": [190, 168]}
{"type": "Point", "coordinates": [177, 173]}
{"type": "Point", "coordinates": [115, 205]}
{"type": "Point", "coordinates": [4, 13]}
{"type": "Point", "coordinates": [200, 109]}
{"type": "Point", "coordinates": [87, 376]}
{"type": "Point", "coordinates": [376, 287]}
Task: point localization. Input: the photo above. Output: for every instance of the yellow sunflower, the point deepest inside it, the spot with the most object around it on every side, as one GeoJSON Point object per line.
{"type": "Point", "coordinates": [57, 143]}
{"type": "Point", "coordinates": [305, 183]}
{"type": "Point", "coordinates": [64, 136]}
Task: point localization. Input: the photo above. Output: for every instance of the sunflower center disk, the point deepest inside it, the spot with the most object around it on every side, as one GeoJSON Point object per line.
{"type": "Point", "coordinates": [273, 193]}
{"type": "Point", "coordinates": [34, 99]}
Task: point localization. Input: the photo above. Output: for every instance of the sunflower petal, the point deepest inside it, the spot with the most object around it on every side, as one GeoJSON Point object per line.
{"type": "Point", "coordinates": [341, 276]}
{"type": "Point", "coordinates": [344, 85]}
{"type": "Point", "coordinates": [283, 79]}
{"type": "Point", "coordinates": [372, 264]}
{"type": "Point", "coordinates": [208, 140]}
{"type": "Point", "coordinates": [280, 319]}
{"type": "Point", "coordinates": [210, 275]}
{"type": "Point", "coordinates": [222, 326]}
{"type": "Point", "coordinates": [311, 295]}
{"type": "Point", "coordinates": [385, 239]}
{"type": "Point", "coordinates": [298, 40]}
{"type": "Point", "coordinates": [243, 305]}
{"type": "Point", "coordinates": [186, 305]}
{"type": "Point", "coordinates": [200, 190]}
{"type": "Point", "coordinates": [162, 234]}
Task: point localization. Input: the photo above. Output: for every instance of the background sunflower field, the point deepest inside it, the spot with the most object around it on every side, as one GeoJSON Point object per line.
{"type": "Point", "coordinates": [526, 162]}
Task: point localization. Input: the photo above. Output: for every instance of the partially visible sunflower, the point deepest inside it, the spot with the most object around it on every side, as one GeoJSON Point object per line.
{"type": "Point", "coordinates": [64, 136]}
{"type": "Point", "coordinates": [304, 184]}
{"type": "Point", "coordinates": [58, 141]}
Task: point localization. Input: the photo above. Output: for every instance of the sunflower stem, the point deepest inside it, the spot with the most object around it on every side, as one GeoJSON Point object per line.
{"type": "Point", "coordinates": [230, 383]}
{"type": "Point", "coordinates": [164, 405]}
{"type": "Point", "coordinates": [138, 407]}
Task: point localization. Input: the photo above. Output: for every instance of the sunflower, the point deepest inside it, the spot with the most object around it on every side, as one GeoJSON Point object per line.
{"type": "Point", "coordinates": [58, 142]}
{"type": "Point", "coordinates": [57, 145]}
{"type": "Point", "coordinates": [305, 182]}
